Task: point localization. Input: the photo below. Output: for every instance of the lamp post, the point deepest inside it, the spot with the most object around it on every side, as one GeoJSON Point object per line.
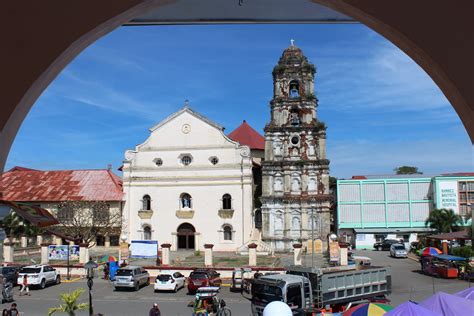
{"type": "Point", "coordinates": [90, 269]}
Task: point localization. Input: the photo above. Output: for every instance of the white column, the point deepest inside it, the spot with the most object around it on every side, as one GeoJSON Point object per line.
{"type": "Point", "coordinates": [343, 255]}
{"type": "Point", "coordinates": [208, 255]}
{"type": "Point", "coordinates": [107, 242]}
{"type": "Point", "coordinates": [83, 253]}
{"type": "Point", "coordinates": [197, 241]}
{"type": "Point", "coordinates": [252, 255]}
{"type": "Point", "coordinates": [39, 240]}
{"type": "Point", "coordinates": [7, 250]}
{"type": "Point", "coordinates": [58, 241]}
{"type": "Point", "coordinates": [297, 251]}
{"type": "Point", "coordinates": [165, 254]}
{"type": "Point", "coordinates": [44, 253]}
{"type": "Point", "coordinates": [24, 241]}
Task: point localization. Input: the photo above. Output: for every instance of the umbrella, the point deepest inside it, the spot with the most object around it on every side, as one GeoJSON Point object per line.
{"type": "Point", "coordinates": [430, 251]}
{"type": "Point", "coordinates": [108, 258]}
{"type": "Point", "coordinates": [467, 293]}
{"type": "Point", "coordinates": [411, 309]}
{"type": "Point", "coordinates": [448, 305]}
{"type": "Point", "coordinates": [371, 309]}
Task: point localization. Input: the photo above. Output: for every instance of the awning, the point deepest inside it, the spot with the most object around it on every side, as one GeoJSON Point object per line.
{"type": "Point", "coordinates": [36, 215]}
{"type": "Point", "coordinates": [459, 235]}
{"type": "Point", "coordinates": [394, 230]}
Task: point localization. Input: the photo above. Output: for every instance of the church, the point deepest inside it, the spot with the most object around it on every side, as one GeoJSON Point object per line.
{"type": "Point", "coordinates": [189, 184]}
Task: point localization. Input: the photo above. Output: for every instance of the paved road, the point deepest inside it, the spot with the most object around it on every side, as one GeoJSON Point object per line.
{"type": "Point", "coordinates": [407, 283]}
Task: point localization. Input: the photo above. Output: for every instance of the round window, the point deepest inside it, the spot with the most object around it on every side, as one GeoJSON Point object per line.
{"type": "Point", "coordinates": [214, 160]}
{"type": "Point", "coordinates": [159, 162]}
{"type": "Point", "coordinates": [186, 160]}
{"type": "Point", "coordinates": [295, 140]}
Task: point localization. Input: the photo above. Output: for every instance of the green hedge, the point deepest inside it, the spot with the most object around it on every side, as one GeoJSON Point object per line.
{"type": "Point", "coordinates": [465, 252]}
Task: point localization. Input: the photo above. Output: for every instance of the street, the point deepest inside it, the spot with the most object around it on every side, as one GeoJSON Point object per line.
{"type": "Point", "coordinates": [407, 284]}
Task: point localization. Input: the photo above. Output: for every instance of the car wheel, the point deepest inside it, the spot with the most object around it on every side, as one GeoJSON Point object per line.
{"type": "Point", "coordinates": [43, 284]}
{"type": "Point", "coordinates": [137, 286]}
{"type": "Point", "coordinates": [175, 288]}
{"type": "Point", "coordinates": [147, 282]}
{"type": "Point", "coordinates": [58, 279]}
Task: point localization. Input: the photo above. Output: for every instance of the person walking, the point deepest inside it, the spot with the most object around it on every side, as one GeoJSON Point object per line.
{"type": "Point", "coordinates": [154, 311]}
{"type": "Point", "coordinates": [24, 286]}
{"type": "Point", "coordinates": [14, 310]}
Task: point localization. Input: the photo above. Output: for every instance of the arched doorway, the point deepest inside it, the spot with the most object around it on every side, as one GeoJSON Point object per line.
{"type": "Point", "coordinates": [185, 235]}
{"type": "Point", "coordinates": [258, 219]}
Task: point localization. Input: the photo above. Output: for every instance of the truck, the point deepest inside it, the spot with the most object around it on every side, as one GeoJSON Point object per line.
{"type": "Point", "coordinates": [309, 289]}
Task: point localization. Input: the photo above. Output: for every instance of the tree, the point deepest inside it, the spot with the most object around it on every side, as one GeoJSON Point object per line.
{"type": "Point", "coordinates": [70, 305]}
{"type": "Point", "coordinates": [15, 226]}
{"type": "Point", "coordinates": [84, 220]}
{"type": "Point", "coordinates": [443, 220]}
{"type": "Point", "coordinates": [407, 170]}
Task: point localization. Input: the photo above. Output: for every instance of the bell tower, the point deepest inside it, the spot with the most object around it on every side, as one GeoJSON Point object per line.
{"type": "Point", "coordinates": [295, 172]}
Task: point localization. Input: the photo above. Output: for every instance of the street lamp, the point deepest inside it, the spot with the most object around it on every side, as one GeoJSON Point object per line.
{"type": "Point", "coordinates": [90, 269]}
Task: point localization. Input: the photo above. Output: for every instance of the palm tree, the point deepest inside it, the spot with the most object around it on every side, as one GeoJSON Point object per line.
{"type": "Point", "coordinates": [70, 305]}
{"type": "Point", "coordinates": [443, 220]}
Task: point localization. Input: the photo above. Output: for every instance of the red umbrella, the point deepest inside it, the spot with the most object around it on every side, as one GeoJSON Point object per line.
{"type": "Point", "coordinates": [430, 251]}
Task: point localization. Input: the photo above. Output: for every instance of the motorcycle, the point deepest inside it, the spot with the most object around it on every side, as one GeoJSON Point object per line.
{"type": "Point", "coordinates": [7, 293]}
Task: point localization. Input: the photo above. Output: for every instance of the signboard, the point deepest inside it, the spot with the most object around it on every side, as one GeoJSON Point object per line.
{"type": "Point", "coordinates": [144, 249]}
{"type": "Point", "coordinates": [56, 252]}
{"type": "Point", "coordinates": [333, 251]}
{"type": "Point", "coordinates": [124, 251]}
{"type": "Point", "coordinates": [448, 195]}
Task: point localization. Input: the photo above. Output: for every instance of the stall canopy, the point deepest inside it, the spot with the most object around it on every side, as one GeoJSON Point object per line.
{"type": "Point", "coordinates": [411, 309]}
{"type": "Point", "coordinates": [459, 235]}
{"type": "Point", "coordinates": [467, 293]}
{"type": "Point", "coordinates": [447, 304]}
{"type": "Point", "coordinates": [36, 215]}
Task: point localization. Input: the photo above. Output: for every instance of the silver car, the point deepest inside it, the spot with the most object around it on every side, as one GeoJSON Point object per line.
{"type": "Point", "coordinates": [398, 251]}
{"type": "Point", "coordinates": [131, 277]}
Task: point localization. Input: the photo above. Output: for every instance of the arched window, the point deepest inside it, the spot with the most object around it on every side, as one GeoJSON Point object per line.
{"type": "Point", "coordinates": [227, 232]}
{"type": "Point", "coordinates": [294, 89]}
{"type": "Point", "coordinates": [147, 233]}
{"type": "Point", "coordinates": [146, 202]}
{"type": "Point", "coordinates": [185, 200]}
{"type": "Point", "coordinates": [294, 117]}
{"type": "Point", "coordinates": [226, 202]}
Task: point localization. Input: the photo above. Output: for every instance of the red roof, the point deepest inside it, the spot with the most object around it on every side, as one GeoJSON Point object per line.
{"type": "Point", "coordinates": [27, 185]}
{"type": "Point", "coordinates": [246, 135]}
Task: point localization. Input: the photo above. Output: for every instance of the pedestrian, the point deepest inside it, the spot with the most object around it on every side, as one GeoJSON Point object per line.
{"type": "Point", "coordinates": [24, 286]}
{"type": "Point", "coordinates": [155, 310]}
{"type": "Point", "coordinates": [5, 312]}
{"type": "Point", "coordinates": [106, 271]}
{"type": "Point", "coordinates": [14, 310]}
{"type": "Point", "coordinates": [257, 275]}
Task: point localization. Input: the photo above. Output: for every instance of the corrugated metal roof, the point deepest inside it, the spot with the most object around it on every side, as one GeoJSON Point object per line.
{"type": "Point", "coordinates": [246, 135]}
{"type": "Point", "coordinates": [28, 185]}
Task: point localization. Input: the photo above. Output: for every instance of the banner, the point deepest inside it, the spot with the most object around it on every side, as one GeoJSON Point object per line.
{"type": "Point", "coordinates": [60, 252]}
{"type": "Point", "coordinates": [448, 195]}
{"type": "Point", "coordinates": [333, 251]}
{"type": "Point", "coordinates": [124, 251]}
{"type": "Point", "coordinates": [144, 249]}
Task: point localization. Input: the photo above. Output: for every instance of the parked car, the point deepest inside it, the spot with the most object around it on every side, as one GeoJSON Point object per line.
{"type": "Point", "coordinates": [385, 245]}
{"type": "Point", "coordinates": [39, 275]}
{"type": "Point", "coordinates": [203, 277]}
{"type": "Point", "coordinates": [398, 251]}
{"type": "Point", "coordinates": [10, 274]}
{"type": "Point", "coordinates": [131, 277]}
{"type": "Point", "coordinates": [169, 281]}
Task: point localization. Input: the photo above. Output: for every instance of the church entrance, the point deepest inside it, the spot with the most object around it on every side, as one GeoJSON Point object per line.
{"type": "Point", "coordinates": [185, 236]}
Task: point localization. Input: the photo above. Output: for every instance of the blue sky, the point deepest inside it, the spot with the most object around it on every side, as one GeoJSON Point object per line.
{"type": "Point", "coordinates": [381, 109]}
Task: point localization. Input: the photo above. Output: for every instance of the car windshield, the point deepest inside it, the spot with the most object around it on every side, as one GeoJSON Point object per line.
{"type": "Point", "coordinates": [399, 247]}
{"type": "Point", "coordinates": [30, 270]}
{"type": "Point", "coordinates": [164, 277]}
{"type": "Point", "coordinates": [198, 275]}
{"type": "Point", "coordinates": [266, 293]}
{"type": "Point", "coordinates": [124, 272]}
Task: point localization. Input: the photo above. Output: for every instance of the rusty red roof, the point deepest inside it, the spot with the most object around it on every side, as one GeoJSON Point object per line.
{"type": "Point", "coordinates": [246, 135]}
{"type": "Point", "coordinates": [27, 185]}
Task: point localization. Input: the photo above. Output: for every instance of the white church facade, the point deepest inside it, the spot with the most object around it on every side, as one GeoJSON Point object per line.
{"type": "Point", "coordinates": [188, 185]}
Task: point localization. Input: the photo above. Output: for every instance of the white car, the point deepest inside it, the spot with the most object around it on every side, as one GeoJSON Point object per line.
{"type": "Point", "coordinates": [39, 275]}
{"type": "Point", "coordinates": [398, 251]}
{"type": "Point", "coordinates": [169, 281]}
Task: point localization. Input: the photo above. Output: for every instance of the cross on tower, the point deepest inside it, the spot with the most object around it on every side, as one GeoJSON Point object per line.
{"type": "Point", "coordinates": [292, 41]}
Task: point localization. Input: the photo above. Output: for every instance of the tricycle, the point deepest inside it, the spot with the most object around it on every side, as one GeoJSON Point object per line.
{"type": "Point", "coordinates": [207, 303]}
{"type": "Point", "coordinates": [241, 280]}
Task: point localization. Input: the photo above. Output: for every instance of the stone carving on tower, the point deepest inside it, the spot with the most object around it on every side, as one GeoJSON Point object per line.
{"type": "Point", "coordinates": [295, 172]}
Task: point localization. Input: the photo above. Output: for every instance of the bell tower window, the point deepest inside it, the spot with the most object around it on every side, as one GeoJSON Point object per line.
{"type": "Point", "coordinates": [294, 89]}
{"type": "Point", "coordinates": [294, 117]}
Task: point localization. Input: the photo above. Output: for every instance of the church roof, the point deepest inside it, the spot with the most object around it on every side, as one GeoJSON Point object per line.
{"type": "Point", "coordinates": [27, 185]}
{"type": "Point", "coordinates": [246, 135]}
{"type": "Point", "coordinates": [187, 109]}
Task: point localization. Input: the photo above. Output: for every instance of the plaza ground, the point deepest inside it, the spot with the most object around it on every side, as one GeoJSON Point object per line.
{"type": "Point", "coordinates": [407, 284]}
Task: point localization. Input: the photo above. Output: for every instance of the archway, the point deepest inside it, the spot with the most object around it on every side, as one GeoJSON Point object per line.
{"type": "Point", "coordinates": [55, 33]}
{"type": "Point", "coordinates": [185, 234]}
{"type": "Point", "coordinates": [258, 219]}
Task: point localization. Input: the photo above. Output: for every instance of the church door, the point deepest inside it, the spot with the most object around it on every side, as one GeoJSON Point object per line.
{"type": "Point", "coordinates": [185, 236]}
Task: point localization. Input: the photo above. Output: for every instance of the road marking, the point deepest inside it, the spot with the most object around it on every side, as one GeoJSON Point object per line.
{"type": "Point", "coordinates": [72, 280]}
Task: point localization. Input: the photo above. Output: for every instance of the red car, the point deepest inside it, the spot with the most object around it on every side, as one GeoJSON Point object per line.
{"type": "Point", "coordinates": [203, 277]}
